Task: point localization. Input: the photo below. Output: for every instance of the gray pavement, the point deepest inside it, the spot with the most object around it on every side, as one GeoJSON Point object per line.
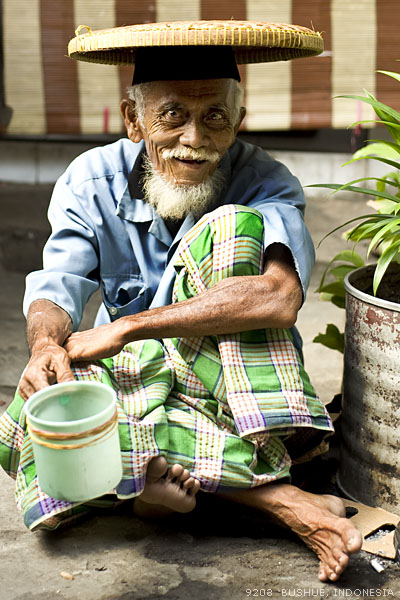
{"type": "Point", "coordinates": [220, 550]}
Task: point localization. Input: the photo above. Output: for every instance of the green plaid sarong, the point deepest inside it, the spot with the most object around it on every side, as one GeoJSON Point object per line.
{"type": "Point", "coordinates": [219, 405]}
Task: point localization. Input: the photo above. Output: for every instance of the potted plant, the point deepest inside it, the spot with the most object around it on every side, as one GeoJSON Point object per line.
{"type": "Point", "coordinates": [370, 455]}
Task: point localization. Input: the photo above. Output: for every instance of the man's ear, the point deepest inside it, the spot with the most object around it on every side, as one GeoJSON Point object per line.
{"type": "Point", "coordinates": [131, 120]}
{"type": "Point", "coordinates": [242, 115]}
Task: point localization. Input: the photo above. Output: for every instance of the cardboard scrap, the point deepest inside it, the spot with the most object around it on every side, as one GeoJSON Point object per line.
{"type": "Point", "coordinates": [368, 520]}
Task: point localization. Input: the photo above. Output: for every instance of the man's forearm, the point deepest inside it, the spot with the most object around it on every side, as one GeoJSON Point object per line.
{"type": "Point", "coordinates": [234, 305]}
{"type": "Point", "coordinates": [47, 323]}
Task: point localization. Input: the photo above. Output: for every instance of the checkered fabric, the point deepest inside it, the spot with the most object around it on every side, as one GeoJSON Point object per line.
{"type": "Point", "coordinates": [257, 375]}
{"type": "Point", "coordinates": [219, 405]}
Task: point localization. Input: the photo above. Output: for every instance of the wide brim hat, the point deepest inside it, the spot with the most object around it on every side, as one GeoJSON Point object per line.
{"type": "Point", "coordinates": [251, 41]}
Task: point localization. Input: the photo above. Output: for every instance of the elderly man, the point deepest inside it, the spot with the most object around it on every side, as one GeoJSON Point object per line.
{"type": "Point", "coordinates": [198, 242]}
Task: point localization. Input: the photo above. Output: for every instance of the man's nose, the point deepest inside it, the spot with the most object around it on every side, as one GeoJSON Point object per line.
{"type": "Point", "coordinates": [194, 134]}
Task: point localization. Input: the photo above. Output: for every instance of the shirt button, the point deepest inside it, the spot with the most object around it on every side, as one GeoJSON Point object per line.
{"type": "Point", "coordinates": [113, 311]}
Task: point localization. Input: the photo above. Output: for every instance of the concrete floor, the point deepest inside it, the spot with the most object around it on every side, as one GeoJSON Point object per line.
{"type": "Point", "coordinates": [219, 551]}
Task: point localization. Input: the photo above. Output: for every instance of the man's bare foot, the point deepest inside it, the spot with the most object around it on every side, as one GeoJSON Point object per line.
{"type": "Point", "coordinates": [318, 520]}
{"type": "Point", "coordinates": [166, 490]}
{"type": "Point", "coordinates": [329, 534]}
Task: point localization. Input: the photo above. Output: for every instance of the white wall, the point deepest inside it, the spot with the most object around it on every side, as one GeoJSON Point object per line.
{"type": "Point", "coordinates": [43, 162]}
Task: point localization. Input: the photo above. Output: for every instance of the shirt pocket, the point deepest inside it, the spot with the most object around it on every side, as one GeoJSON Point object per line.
{"type": "Point", "coordinates": [124, 295]}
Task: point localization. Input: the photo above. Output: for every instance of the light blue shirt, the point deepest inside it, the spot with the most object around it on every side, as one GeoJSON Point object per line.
{"type": "Point", "coordinates": [101, 236]}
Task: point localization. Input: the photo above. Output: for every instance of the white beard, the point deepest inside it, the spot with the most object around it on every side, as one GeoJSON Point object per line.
{"type": "Point", "coordinates": [175, 202]}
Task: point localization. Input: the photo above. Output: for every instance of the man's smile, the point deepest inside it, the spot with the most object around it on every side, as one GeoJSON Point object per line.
{"type": "Point", "coordinates": [190, 162]}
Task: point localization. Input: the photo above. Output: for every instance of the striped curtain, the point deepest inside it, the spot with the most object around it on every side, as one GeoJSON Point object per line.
{"type": "Point", "coordinates": [51, 94]}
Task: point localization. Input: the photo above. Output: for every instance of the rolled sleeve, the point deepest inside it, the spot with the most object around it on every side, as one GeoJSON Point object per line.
{"type": "Point", "coordinates": [285, 225]}
{"type": "Point", "coordinates": [70, 257]}
{"type": "Point", "coordinates": [267, 185]}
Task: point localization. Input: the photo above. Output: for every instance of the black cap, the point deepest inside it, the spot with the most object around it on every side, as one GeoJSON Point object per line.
{"type": "Point", "coordinates": [184, 63]}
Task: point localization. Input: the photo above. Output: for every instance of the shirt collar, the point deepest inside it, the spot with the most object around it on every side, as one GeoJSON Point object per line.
{"type": "Point", "coordinates": [132, 205]}
{"type": "Point", "coordinates": [135, 177]}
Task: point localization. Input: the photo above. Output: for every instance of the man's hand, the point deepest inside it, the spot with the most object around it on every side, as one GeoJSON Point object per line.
{"type": "Point", "coordinates": [48, 326]}
{"type": "Point", "coordinates": [47, 365]}
{"type": "Point", "coordinates": [101, 342]}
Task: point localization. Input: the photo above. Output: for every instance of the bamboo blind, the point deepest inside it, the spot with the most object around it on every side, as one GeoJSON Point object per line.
{"type": "Point", "coordinates": [50, 93]}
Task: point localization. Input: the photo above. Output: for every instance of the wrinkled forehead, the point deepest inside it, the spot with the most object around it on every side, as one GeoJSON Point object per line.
{"type": "Point", "coordinates": [204, 92]}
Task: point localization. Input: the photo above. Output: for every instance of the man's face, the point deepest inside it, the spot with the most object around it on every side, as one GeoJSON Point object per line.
{"type": "Point", "coordinates": [181, 116]}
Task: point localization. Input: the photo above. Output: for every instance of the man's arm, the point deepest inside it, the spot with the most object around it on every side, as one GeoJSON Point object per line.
{"type": "Point", "coordinates": [48, 326]}
{"type": "Point", "coordinates": [233, 305]}
{"type": "Point", "coordinates": [56, 295]}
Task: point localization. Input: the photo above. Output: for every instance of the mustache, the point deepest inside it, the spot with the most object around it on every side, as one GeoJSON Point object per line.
{"type": "Point", "coordinates": [191, 154]}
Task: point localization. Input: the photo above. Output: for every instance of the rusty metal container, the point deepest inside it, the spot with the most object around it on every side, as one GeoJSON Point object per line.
{"type": "Point", "coordinates": [369, 469]}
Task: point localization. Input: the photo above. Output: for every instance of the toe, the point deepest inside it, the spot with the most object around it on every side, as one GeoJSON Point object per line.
{"type": "Point", "coordinates": [342, 560]}
{"type": "Point", "coordinates": [191, 486]}
{"type": "Point", "coordinates": [329, 573]}
{"type": "Point", "coordinates": [188, 484]}
{"type": "Point", "coordinates": [322, 576]}
{"type": "Point", "coordinates": [354, 541]}
{"type": "Point", "coordinates": [175, 472]}
{"type": "Point", "coordinates": [196, 487]}
{"type": "Point", "coordinates": [351, 537]}
{"type": "Point", "coordinates": [185, 476]}
{"type": "Point", "coordinates": [157, 467]}
{"type": "Point", "coordinates": [330, 570]}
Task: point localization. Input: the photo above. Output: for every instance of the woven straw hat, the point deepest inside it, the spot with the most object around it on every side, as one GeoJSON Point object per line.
{"type": "Point", "coordinates": [252, 41]}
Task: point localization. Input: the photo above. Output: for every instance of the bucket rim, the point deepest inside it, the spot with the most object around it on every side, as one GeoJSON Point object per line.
{"type": "Point", "coordinates": [363, 296]}
{"type": "Point", "coordinates": [66, 385]}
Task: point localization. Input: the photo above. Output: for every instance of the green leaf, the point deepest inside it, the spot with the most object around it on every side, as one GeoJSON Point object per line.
{"type": "Point", "coordinates": [391, 74]}
{"type": "Point", "coordinates": [381, 185]}
{"type": "Point", "coordinates": [339, 301]}
{"type": "Point", "coordinates": [351, 256]}
{"type": "Point", "coordinates": [332, 338]}
{"type": "Point", "coordinates": [365, 230]}
{"type": "Point", "coordinates": [392, 163]}
{"type": "Point", "coordinates": [345, 255]}
{"type": "Point", "coordinates": [382, 143]}
{"type": "Point", "coordinates": [392, 178]}
{"type": "Point", "coordinates": [335, 300]}
{"type": "Point", "coordinates": [384, 113]}
{"type": "Point", "coordinates": [391, 126]}
{"type": "Point", "coordinates": [358, 190]}
{"type": "Point", "coordinates": [336, 288]}
{"type": "Point", "coordinates": [393, 224]}
{"type": "Point", "coordinates": [384, 261]}
{"type": "Point", "coordinates": [341, 271]}
{"type": "Point", "coordinates": [376, 121]}
{"type": "Point", "coordinates": [341, 226]}
{"type": "Point", "coordinates": [379, 148]}
{"type": "Point", "coordinates": [377, 106]}
{"type": "Point", "coordinates": [325, 297]}
{"type": "Point", "coordinates": [386, 207]}
{"type": "Point", "coordinates": [379, 180]}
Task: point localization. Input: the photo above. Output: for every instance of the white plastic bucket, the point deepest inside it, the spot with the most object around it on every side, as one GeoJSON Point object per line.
{"type": "Point", "coordinates": [74, 432]}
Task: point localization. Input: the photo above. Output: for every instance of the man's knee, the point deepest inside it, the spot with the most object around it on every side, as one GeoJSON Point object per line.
{"type": "Point", "coordinates": [248, 217]}
{"type": "Point", "coordinates": [227, 242]}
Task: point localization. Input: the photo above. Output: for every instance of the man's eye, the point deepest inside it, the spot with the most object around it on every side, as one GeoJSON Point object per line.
{"type": "Point", "coordinates": [173, 114]}
{"type": "Point", "coordinates": [215, 118]}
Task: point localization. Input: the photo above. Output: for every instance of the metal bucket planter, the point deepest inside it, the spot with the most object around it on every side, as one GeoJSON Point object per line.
{"type": "Point", "coordinates": [369, 469]}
